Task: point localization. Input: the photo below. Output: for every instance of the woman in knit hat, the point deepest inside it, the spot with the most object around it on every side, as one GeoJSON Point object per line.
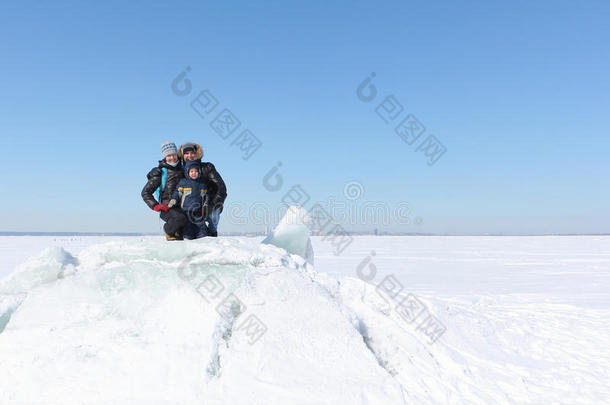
{"type": "Point", "coordinates": [157, 192]}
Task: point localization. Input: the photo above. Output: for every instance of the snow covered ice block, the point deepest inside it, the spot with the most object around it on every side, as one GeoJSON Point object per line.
{"type": "Point", "coordinates": [47, 266]}
{"type": "Point", "coordinates": [292, 233]}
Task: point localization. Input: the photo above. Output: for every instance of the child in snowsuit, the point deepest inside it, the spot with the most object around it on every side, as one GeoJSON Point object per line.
{"type": "Point", "coordinates": [191, 195]}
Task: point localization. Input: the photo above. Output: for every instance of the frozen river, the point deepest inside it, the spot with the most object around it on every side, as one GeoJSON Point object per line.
{"type": "Point", "coordinates": [505, 320]}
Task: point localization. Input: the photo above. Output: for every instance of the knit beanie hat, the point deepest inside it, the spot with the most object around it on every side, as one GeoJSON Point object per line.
{"type": "Point", "coordinates": [168, 148]}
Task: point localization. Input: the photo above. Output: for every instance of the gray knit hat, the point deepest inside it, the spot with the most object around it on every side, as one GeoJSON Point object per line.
{"type": "Point", "coordinates": [168, 148]}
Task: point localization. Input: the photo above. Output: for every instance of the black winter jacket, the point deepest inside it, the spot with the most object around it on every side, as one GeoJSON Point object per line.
{"type": "Point", "coordinates": [174, 174]}
{"type": "Point", "coordinates": [217, 190]}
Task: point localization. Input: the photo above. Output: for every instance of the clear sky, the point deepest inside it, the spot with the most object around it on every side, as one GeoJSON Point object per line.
{"type": "Point", "coordinates": [517, 92]}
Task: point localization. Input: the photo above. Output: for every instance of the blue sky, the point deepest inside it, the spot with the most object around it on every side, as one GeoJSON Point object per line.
{"type": "Point", "coordinates": [518, 93]}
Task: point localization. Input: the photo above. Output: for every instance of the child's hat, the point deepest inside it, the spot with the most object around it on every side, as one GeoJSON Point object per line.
{"type": "Point", "coordinates": [193, 164]}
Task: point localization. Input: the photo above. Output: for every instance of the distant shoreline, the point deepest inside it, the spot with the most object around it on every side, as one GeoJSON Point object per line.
{"type": "Point", "coordinates": [263, 234]}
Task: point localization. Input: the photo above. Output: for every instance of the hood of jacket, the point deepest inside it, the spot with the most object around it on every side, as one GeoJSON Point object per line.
{"type": "Point", "coordinates": [190, 164]}
{"type": "Point", "coordinates": [198, 151]}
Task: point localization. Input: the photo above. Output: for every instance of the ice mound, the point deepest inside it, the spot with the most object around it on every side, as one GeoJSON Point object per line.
{"type": "Point", "coordinates": [215, 321]}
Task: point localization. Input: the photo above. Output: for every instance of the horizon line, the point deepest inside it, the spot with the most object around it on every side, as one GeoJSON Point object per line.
{"type": "Point", "coordinates": [258, 233]}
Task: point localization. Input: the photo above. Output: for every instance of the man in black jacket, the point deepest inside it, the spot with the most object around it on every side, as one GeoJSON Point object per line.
{"type": "Point", "coordinates": [217, 189]}
{"type": "Point", "coordinates": [162, 181]}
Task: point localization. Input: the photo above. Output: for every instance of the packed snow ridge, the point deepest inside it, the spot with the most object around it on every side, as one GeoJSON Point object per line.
{"type": "Point", "coordinates": [233, 321]}
{"type": "Point", "coordinates": [224, 321]}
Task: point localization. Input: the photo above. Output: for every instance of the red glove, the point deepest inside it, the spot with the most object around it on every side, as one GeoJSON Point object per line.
{"type": "Point", "coordinates": [161, 207]}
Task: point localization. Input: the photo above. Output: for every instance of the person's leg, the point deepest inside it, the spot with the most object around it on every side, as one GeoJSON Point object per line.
{"type": "Point", "coordinates": [202, 230]}
{"type": "Point", "coordinates": [190, 231]}
{"type": "Point", "coordinates": [213, 220]}
{"type": "Point", "coordinates": [174, 221]}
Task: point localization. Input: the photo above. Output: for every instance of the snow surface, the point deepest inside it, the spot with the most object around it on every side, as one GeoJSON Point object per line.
{"type": "Point", "coordinates": [135, 321]}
